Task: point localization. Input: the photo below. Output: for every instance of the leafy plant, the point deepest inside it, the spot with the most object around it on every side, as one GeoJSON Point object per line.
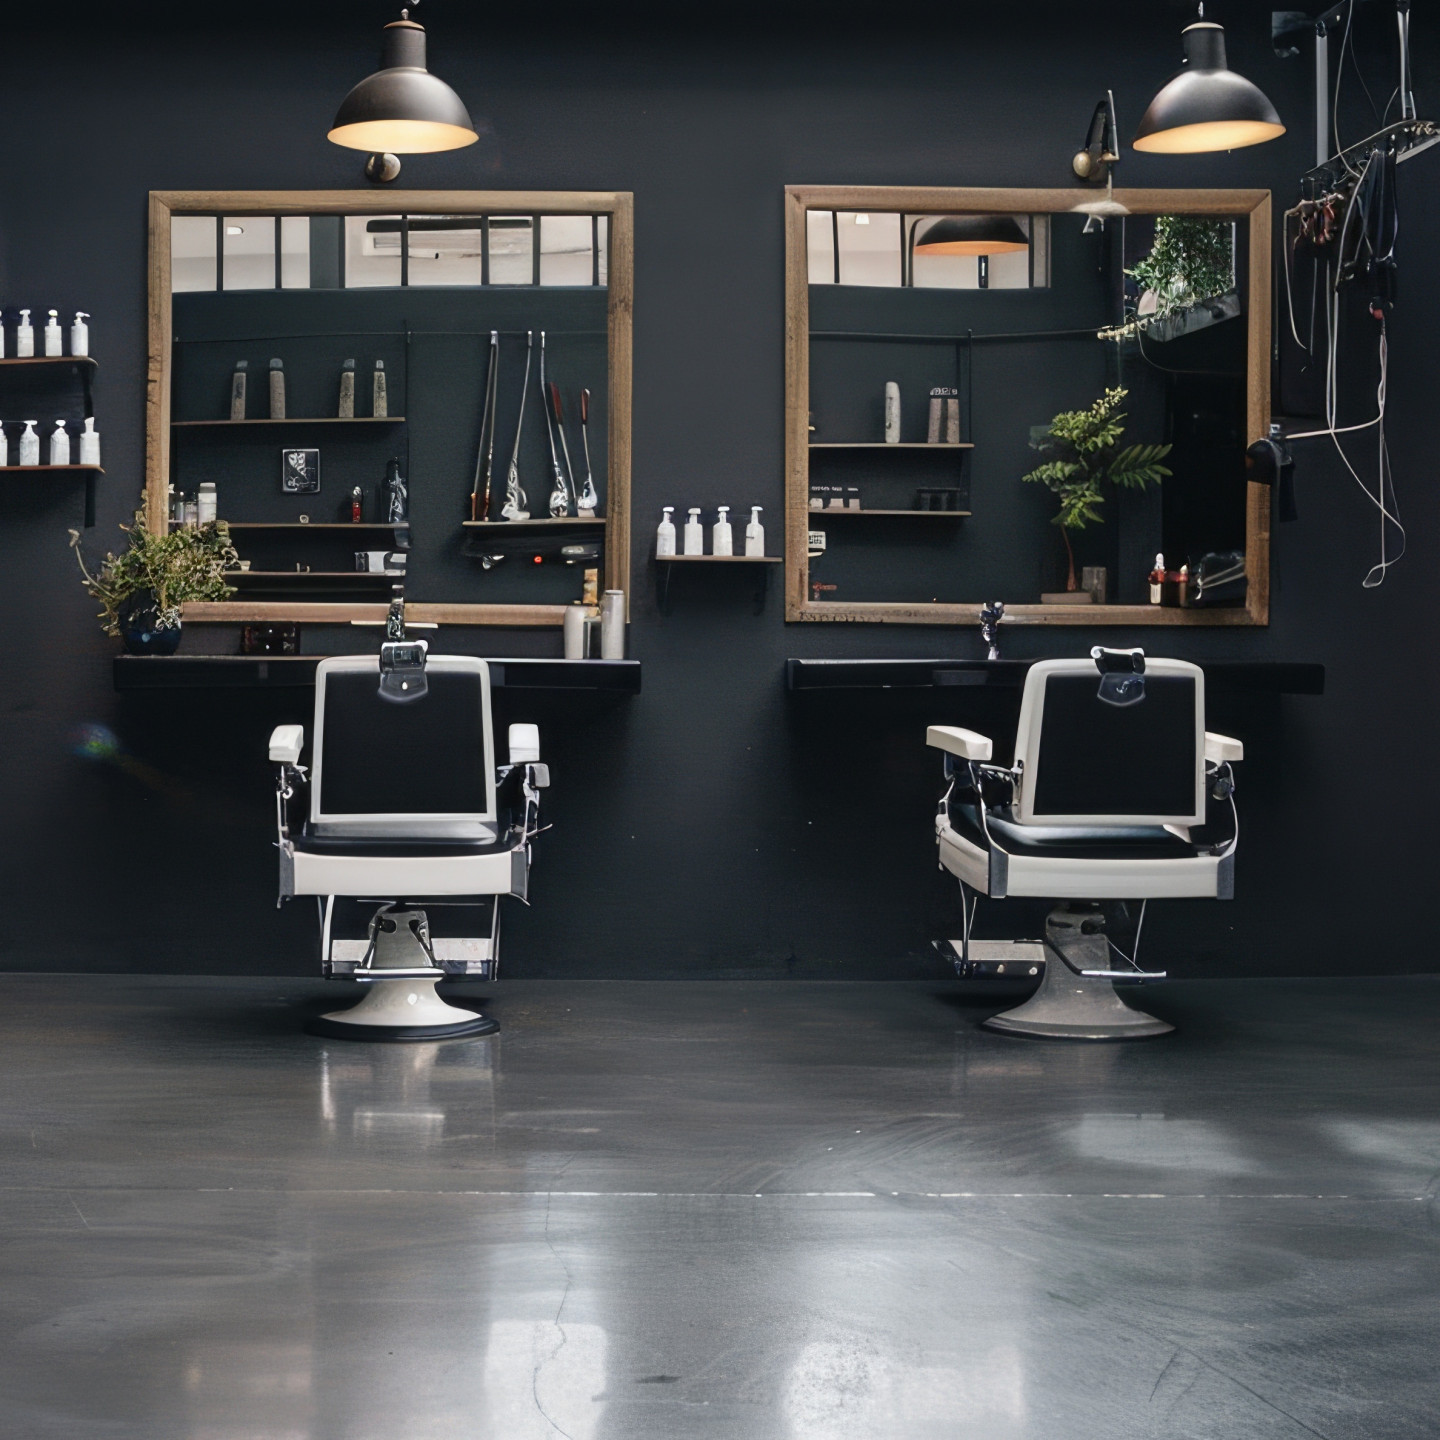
{"type": "Point", "coordinates": [1085, 456]}
{"type": "Point", "coordinates": [186, 564]}
{"type": "Point", "coordinates": [1191, 261]}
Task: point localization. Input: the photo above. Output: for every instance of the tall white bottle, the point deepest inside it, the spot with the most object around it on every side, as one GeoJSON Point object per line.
{"type": "Point", "coordinates": [694, 534]}
{"type": "Point", "coordinates": [754, 531]}
{"type": "Point", "coordinates": [24, 336]}
{"type": "Point", "coordinates": [29, 444]}
{"type": "Point", "coordinates": [89, 443]}
{"type": "Point", "coordinates": [722, 539]}
{"type": "Point", "coordinates": [892, 413]}
{"type": "Point", "coordinates": [53, 345]}
{"type": "Point", "coordinates": [80, 334]}
{"type": "Point", "coordinates": [665, 533]}
{"type": "Point", "coordinates": [60, 444]}
{"type": "Point", "coordinates": [4, 447]}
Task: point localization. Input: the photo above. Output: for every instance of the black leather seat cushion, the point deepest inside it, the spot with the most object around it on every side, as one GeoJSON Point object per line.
{"type": "Point", "coordinates": [1136, 842]}
{"type": "Point", "coordinates": [398, 847]}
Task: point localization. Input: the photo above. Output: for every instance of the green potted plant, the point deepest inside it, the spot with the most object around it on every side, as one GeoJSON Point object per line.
{"type": "Point", "coordinates": [141, 590]}
{"type": "Point", "coordinates": [1084, 456]}
{"type": "Point", "coordinates": [1191, 263]}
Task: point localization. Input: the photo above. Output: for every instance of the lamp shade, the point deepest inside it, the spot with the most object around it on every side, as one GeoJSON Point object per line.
{"type": "Point", "coordinates": [973, 235]}
{"type": "Point", "coordinates": [402, 109]}
{"type": "Point", "coordinates": [1204, 105]}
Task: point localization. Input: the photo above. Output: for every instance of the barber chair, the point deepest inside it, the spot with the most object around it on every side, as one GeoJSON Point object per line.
{"type": "Point", "coordinates": [1117, 793]}
{"type": "Point", "coordinates": [407, 809]}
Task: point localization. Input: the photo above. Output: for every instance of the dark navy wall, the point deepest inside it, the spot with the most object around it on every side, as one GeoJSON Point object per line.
{"type": "Point", "coordinates": [711, 826]}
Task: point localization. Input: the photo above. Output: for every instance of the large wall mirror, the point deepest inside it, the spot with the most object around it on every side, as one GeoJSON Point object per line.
{"type": "Point", "coordinates": [303, 299]}
{"type": "Point", "coordinates": [967, 368]}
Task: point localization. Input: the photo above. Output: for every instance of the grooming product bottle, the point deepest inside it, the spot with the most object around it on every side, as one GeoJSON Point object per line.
{"type": "Point", "coordinates": [80, 334]}
{"type": "Point", "coordinates": [192, 513]}
{"type": "Point", "coordinates": [2, 335]}
{"type": "Point", "coordinates": [722, 541]}
{"type": "Point", "coordinates": [380, 401]}
{"type": "Point", "coordinates": [1157, 579]}
{"type": "Point", "coordinates": [207, 503]}
{"type": "Point", "coordinates": [755, 533]}
{"type": "Point", "coordinates": [277, 389]}
{"type": "Point", "coordinates": [357, 499]}
{"type": "Point", "coordinates": [53, 341]}
{"type": "Point", "coordinates": [665, 533]}
{"type": "Point", "coordinates": [347, 390]}
{"type": "Point", "coordinates": [237, 389]}
{"type": "Point", "coordinates": [612, 625]}
{"type": "Point", "coordinates": [397, 496]}
{"type": "Point", "coordinates": [574, 630]}
{"type": "Point", "coordinates": [4, 447]}
{"type": "Point", "coordinates": [89, 443]}
{"type": "Point", "coordinates": [29, 444]}
{"type": "Point", "coordinates": [60, 444]}
{"type": "Point", "coordinates": [892, 413]}
{"type": "Point", "coordinates": [694, 533]}
{"type": "Point", "coordinates": [24, 336]}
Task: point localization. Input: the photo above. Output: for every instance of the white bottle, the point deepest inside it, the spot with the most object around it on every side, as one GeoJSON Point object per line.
{"type": "Point", "coordinates": [24, 336]}
{"type": "Point", "coordinates": [754, 531]}
{"type": "Point", "coordinates": [80, 334]}
{"type": "Point", "coordinates": [4, 447]}
{"type": "Point", "coordinates": [722, 541]}
{"type": "Point", "coordinates": [665, 533]}
{"type": "Point", "coordinates": [694, 534]}
{"type": "Point", "coordinates": [892, 413]}
{"type": "Point", "coordinates": [60, 444]}
{"type": "Point", "coordinates": [29, 444]}
{"type": "Point", "coordinates": [207, 504]}
{"type": "Point", "coordinates": [53, 345]}
{"type": "Point", "coordinates": [89, 443]}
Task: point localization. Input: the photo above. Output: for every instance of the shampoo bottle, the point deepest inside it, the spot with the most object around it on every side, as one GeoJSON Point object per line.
{"type": "Point", "coordinates": [723, 541]}
{"type": "Point", "coordinates": [754, 531]}
{"type": "Point", "coordinates": [89, 443]}
{"type": "Point", "coordinates": [29, 445]}
{"type": "Point", "coordinates": [380, 401]}
{"type": "Point", "coordinates": [60, 444]}
{"type": "Point", "coordinates": [4, 447]}
{"type": "Point", "coordinates": [80, 334]}
{"type": "Point", "coordinates": [347, 390]}
{"type": "Point", "coordinates": [277, 389]}
{"type": "Point", "coordinates": [694, 534]}
{"type": "Point", "coordinates": [665, 534]}
{"type": "Point", "coordinates": [53, 344]}
{"type": "Point", "coordinates": [24, 336]}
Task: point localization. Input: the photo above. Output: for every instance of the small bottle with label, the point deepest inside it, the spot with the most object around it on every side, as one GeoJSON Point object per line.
{"type": "Point", "coordinates": [380, 400]}
{"type": "Point", "coordinates": [694, 534]}
{"type": "Point", "coordinates": [207, 503]}
{"type": "Point", "coordinates": [29, 444]}
{"type": "Point", "coordinates": [1157, 580]}
{"type": "Point", "coordinates": [80, 334]}
{"type": "Point", "coordinates": [60, 443]}
{"type": "Point", "coordinates": [665, 533]}
{"type": "Point", "coordinates": [357, 498]}
{"type": "Point", "coordinates": [722, 540]}
{"type": "Point", "coordinates": [53, 345]}
{"type": "Point", "coordinates": [24, 336]}
{"type": "Point", "coordinates": [90, 443]}
{"type": "Point", "coordinates": [4, 447]}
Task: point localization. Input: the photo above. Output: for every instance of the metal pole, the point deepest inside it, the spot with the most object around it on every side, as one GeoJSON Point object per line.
{"type": "Point", "coordinates": [1407, 97]}
{"type": "Point", "coordinates": [1322, 94]}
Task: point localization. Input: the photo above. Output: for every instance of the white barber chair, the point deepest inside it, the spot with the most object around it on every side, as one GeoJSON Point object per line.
{"type": "Point", "coordinates": [406, 806]}
{"type": "Point", "coordinates": [1117, 793]}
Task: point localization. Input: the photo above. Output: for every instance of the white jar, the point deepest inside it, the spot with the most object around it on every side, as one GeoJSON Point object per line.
{"type": "Point", "coordinates": [207, 503]}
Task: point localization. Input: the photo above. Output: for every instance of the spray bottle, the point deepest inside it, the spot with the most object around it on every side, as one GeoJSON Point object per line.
{"type": "Point", "coordinates": [723, 542]}
{"type": "Point", "coordinates": [665, 533]}
{"type": "Point", "coordinates": [24, 336]}
{"type": "Point", "coordinates": [694, 533]}
{"type": "Point", "coordinates": [29, 444]}
{"type": "Point", "coordinates": [80, 334]}
{"type": "Point", "coordinates": [60, 444]}
{"type": "Point", "coordinates": [754, 531]}
{"type": "Point", "coordinates": [53, 345]}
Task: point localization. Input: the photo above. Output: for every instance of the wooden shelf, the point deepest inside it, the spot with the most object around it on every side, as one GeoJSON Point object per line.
{"type": "Point", "coordinates": [533, 524]}
{"type": "Point", "coordinates": [721, 559]}
{"type": "Point", "coordinates": [923, 514]}
{"type": "Point", "coordinates": [35, 469]}
{"type": "Point", "coordinates": [290, 420]}
{"type": "Point", "coordinates": [232, 575]}
{"type": "Point", "coordinates": [297, 525]}
{"type": "Point", "coordinates": [887, 445]}
{"type": "Point", "coordinates": [50, 360]}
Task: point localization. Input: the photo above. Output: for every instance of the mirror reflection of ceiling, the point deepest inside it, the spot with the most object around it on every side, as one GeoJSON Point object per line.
{"type": "Point", "coordinates": [875, 249]}
{"type": "Point", "coordinates": [266, 252]}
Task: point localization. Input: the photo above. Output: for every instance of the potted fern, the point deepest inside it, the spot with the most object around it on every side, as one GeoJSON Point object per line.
{"type": "Point", "coordinates": [142, 589]}
{"type": "Point", "coordinates": [1084, 457]}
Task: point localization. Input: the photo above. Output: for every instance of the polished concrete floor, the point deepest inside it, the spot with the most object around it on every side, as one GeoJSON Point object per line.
{"type": "Point", "coordinates": [657, 1211]}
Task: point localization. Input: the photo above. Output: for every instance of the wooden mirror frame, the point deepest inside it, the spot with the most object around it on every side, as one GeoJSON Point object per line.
{"type": "Point", "coordinates": [618, 205]}
{"type": "Point", "coordinates": [1253, 205]}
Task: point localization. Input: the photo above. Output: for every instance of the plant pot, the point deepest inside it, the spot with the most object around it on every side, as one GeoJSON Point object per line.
{"type": "Point", "coordinates": [141, 630]}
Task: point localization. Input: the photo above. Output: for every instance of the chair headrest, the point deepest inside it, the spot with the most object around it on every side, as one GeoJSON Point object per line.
{"type": "Point", "coordinates": [1122, 675]}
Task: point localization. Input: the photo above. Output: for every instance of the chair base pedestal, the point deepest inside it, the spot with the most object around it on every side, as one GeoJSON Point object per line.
{"type": "Point", "coordinates": [401, 1010]}
{"type": "Point", "coordinates": [1068, 1006]}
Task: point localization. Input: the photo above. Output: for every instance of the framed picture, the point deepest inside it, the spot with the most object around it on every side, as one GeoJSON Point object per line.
{"type": "Point", "coordinates": [300, 472]}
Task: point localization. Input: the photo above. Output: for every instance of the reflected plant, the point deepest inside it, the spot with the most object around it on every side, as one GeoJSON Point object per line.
{"type": "Point", "coordinates": [1084, 453]}
{"type": "Point", "coordinates": [1191, 260]}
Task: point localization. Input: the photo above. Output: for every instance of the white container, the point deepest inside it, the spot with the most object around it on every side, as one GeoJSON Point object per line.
{"type": "Point", "coordinates": [665, 533]}
{"type": "Point", "coordinates": [694, 534]}
{"type": "Point", "coordinates": [4, 447]}
{"type": "Point", "coordinates": [574, 631]}
{"type": "Point", "coordinates": [207, 503]}
{"type": "Point", "coordinates": [24, 336]}
{"type": "Point", "coordinates": [53, 340]}
{"type": "Point", "coordinates": [29, 444]}
{"type": "Point", "coordinates": [80, 334]}
{"type": "Point", "coordinates": [754, 531]}
{"type": "Point", "coordinates": [722, 537]}
{"type": "Point", "coordinates": [379, 398]}
{"type": "Point", "coordinates": [60, 444]}
{"type": "Point", "coordinates": [612, 625]}
{"type": "Point", "coordinates": [892, 413]}
{"type": "Point", "coordinates": [89, 443]}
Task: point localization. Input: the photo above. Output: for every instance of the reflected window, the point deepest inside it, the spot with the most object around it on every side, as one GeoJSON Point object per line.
{"type": "Point", "coordinates": [192, 253]}
{"type": "Point", "coordinates": [248, 251]}
{"type": "Point", "coordinates": [372, 251]}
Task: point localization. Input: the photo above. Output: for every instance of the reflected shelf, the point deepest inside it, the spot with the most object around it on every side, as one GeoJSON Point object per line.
{"type": "Point", "coordinates": [722, 559]}
{"type": "Point", "coordinates": [360, 575]}
{"type": "Point", "coordinates": [535, 524]}
{"type": "Point", "coordinates": [920, 514]}
{"type": "Point", "coordinates": [891, 445]}
{"type": "Point", "coordinates": [289, 420]}
{"type": "Point", "coordinates": [309, 525]}
{"type": "Point", "coordinates": [35, 469]}
{"type": "Point", "coordinates": [49, 360]}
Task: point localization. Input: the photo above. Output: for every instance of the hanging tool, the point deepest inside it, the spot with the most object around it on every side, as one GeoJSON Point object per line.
{"type": "Point", "coordinates": [564, 444]}
{"type": "Point", "coordinates": [587, 502]}
{"type": "Point", "coordinates": [559, 494]}
{"type": "Point", "coordinates": [485, 450]}
{"type": "Point", "coordinates": [515, 499]}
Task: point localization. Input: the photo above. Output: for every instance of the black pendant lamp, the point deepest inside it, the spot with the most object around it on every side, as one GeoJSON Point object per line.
{"type": "Point", "coordinates": [1205, 105]}
{"type": "Point", "coordinates": [973, 235]}
{"type": "Point", "coordinates": [402, 109]}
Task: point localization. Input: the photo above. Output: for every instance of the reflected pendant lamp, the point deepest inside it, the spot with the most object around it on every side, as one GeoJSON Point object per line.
{"type": "Point", "coordinates": [973, 235]}
{"type": "Point", "coordinates": [402, 109]}
{"type": "Point", "coordinates": [1206, 106]}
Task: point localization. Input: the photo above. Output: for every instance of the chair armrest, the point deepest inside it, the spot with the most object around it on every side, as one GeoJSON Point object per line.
{"type": "Point", "coordinates": [964, 743]}
{"type": "Point", "coordinates": [286, 743]}
{"type": "Point", "coordinates": [1221, 748]}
